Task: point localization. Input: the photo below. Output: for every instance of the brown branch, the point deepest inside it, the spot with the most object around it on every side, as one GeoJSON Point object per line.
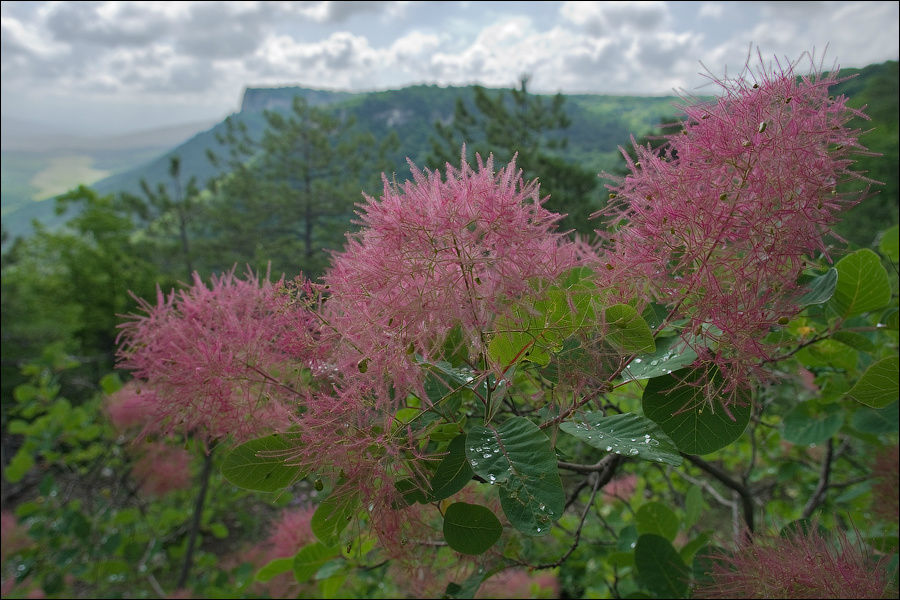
{"type": "Point", "coordinates": [195, 521]}
{"type": "Point", "coordinates": [743, 491]}
{"type": "Point", "coordinates": [824, 475]}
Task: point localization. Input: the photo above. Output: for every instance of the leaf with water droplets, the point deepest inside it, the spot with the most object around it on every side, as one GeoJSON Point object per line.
{"type": "Point", "coordinates": [626, 434]}
{"type": "Point", "coordinates": [518, 457]}
{"type": "Point", "coordinates": [671, 354]}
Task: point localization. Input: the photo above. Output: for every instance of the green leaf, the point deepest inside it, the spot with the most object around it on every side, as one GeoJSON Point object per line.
{"type": "Point", "coordinates": [518, 456]}
{"type": "Point", "coordinates": [693, 505]}
{"type": "Point", "coordinates": [829, 353]}
{"type": "Point", "coordinates": [411, 491]}
{"type": "Point", "coordinates": [626, 331]}
{"type": "Point", "coordinates": [275, 567]}
{"type": "Point", "coordinates": [537, 327]}
{"type": "Point", "coordinates": [820, 289]}
{"type": "Point", "coordinates": [877, 420]}
{"type": "Point", "coordinates": [802, 425]}
{"type": "Point", "coordinates": [453, 472]}
{"type": "Point", "coordinates": [688, 551]}
{"type": "Point", "coordinates": [671, 354]}
{"type": "Point", "coordinates": [862, 285]}
{"type": "Point", "coordinates": [878, 386]}
{"type": "Point", "coordinates": [697, 424]}
{"type": "Point", "coordinates": [218, 530]}
{"type": "Point", "coordinates": [626, 434]}
{"type": "Point", "coordinates": [110, 383]}
{"type": "Point", "coordinates": [310, 559]}
{"type": "Point", "coordinates": [854, 340]}
{"type": "Point", "coordinates": [889, 246]}
{"type": "Point", "coordinates": [656, 518]}
{"type": "Point", "coordinates": [334, 514]}
{"type": "Point", "coordinates": [259, 465]}
{"type": "Point", "coordinates": [20, 464]}
{"type": "Point", "coordinates": [660, 568]}
{"type": "Point", "coordinates": [471, 528]}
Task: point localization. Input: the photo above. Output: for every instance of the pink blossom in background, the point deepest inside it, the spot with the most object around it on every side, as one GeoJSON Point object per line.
{"type": "Point", "coordinates": [886, 491]}
{"type": "Point", "coordinates": [716, 225]}
{"type": "Point", "coordinates": [162, 468]}
{"type": "Point", "coordinates": [14, 537]}
{"type": "Point", "coordinates": [800, 564]}
{"type": "Point", "coordinates": [519, 583]}
{"type": "Point", "coordinates": [215, 357]}
{"type": "Point", "coordinates": [130, 407]}
{"type": "Point", "coordinates": [290, 532]}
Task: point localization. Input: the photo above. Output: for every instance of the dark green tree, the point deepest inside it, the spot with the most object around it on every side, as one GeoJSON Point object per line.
{"type": "Point", "coordinates": [516, 122]}
{"type": "Point", "coordinates": [168, 216]}
{"type": "Point", "coordinates": [66, 288]}
{"type": "Point", "coordinates": [288, 197]}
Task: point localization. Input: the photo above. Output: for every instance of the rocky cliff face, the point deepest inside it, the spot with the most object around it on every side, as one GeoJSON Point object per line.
{"type": "Point", "coordinates": [280, 98]}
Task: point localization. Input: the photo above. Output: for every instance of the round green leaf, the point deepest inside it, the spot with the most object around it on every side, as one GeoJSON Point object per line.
{"type": "Point", "coordinates": [627, 331]}
{"type": "Point", "coordinates": [697, 425]}
{"type": "Point", "coordinates": [660, 568]}
{"type": "Point", "coordinates": [877, 420]}
{"type": "Point", "coordinates": [863, 284]}
{"type": "Point", "coordinates": [453, 472]}
{"type": "Point", "coordinates": [657, 518]}
{"type": "Point", "coordinates": [804, 426]}
{"type": "Point", "coordinates": [878, 386]}
{"type": "Point", "coordinates": [626, 434]}
{"type": "Point", "coordinates": [310, 559]}
{"type": "Point", "coordinates": [259, 465]}
{"type": "Point", "coordinates": [334, 514]}
{"type": "Point", "coordinates": [471, 528]}
{"type": "Point", "coordinates": [889, 245]}
{"type": "Point", "coordinates": [518, 457]}
{"type": "Point", "coordinates": [820, 289]}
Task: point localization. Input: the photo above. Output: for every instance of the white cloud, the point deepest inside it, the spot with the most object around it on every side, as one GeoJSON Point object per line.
{"type": "Point", "coordinates": [711, 10]}
{"type": "Point", "coordinates": [148, 56]}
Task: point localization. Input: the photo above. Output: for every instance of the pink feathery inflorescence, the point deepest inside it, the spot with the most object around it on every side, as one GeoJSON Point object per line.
{"type": "Point", "coordinates": [717, 224]}
{"type": "Point", "coordinates": [799, 564]}
{"type": "Point", "coordinates": [130, 407]}
{"type": "Point", "coordinates": [214, 358]}
{"type": "Point", "coordinates": [162, 468]}
{"type": "Point", "coordinates": [290, 532]}
{"type": "Point", "coordinates": [435, 253]}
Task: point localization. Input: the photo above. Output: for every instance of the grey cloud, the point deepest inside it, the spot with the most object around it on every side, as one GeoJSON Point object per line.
{"type": "Point", "coordinates": [338, 12]}
{"type": "Point", "coordinates": [213, 31]}
{"type": "Point", "coordinates": [133, 26]}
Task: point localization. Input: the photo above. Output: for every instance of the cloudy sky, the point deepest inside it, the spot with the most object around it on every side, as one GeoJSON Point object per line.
{"type": "Point", "coordinates": [118, 66]}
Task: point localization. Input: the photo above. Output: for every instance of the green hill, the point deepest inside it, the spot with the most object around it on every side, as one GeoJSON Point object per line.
{"type": "Point", "coordinates": [600, 124]}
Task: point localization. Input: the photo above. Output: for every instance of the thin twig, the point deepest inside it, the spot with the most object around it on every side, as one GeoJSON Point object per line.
{"type": "Point", "coordinates": [598, 467]}
{"type": "Point", "coordinates": [824, 475]}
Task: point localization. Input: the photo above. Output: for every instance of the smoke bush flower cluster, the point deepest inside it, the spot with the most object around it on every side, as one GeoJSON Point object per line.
{"type": "Point", "coordinates": [716, 225]}
{"type": "Point", "coordinates": [209, 355]}
{"type": "Point", "coordinates": [798, 564]}
{"type": "Point", "coordinates": [436, 253]}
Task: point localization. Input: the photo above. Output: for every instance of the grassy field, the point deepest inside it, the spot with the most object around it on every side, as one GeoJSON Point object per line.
{"type": "Point", "coordinates": [63, 173]}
